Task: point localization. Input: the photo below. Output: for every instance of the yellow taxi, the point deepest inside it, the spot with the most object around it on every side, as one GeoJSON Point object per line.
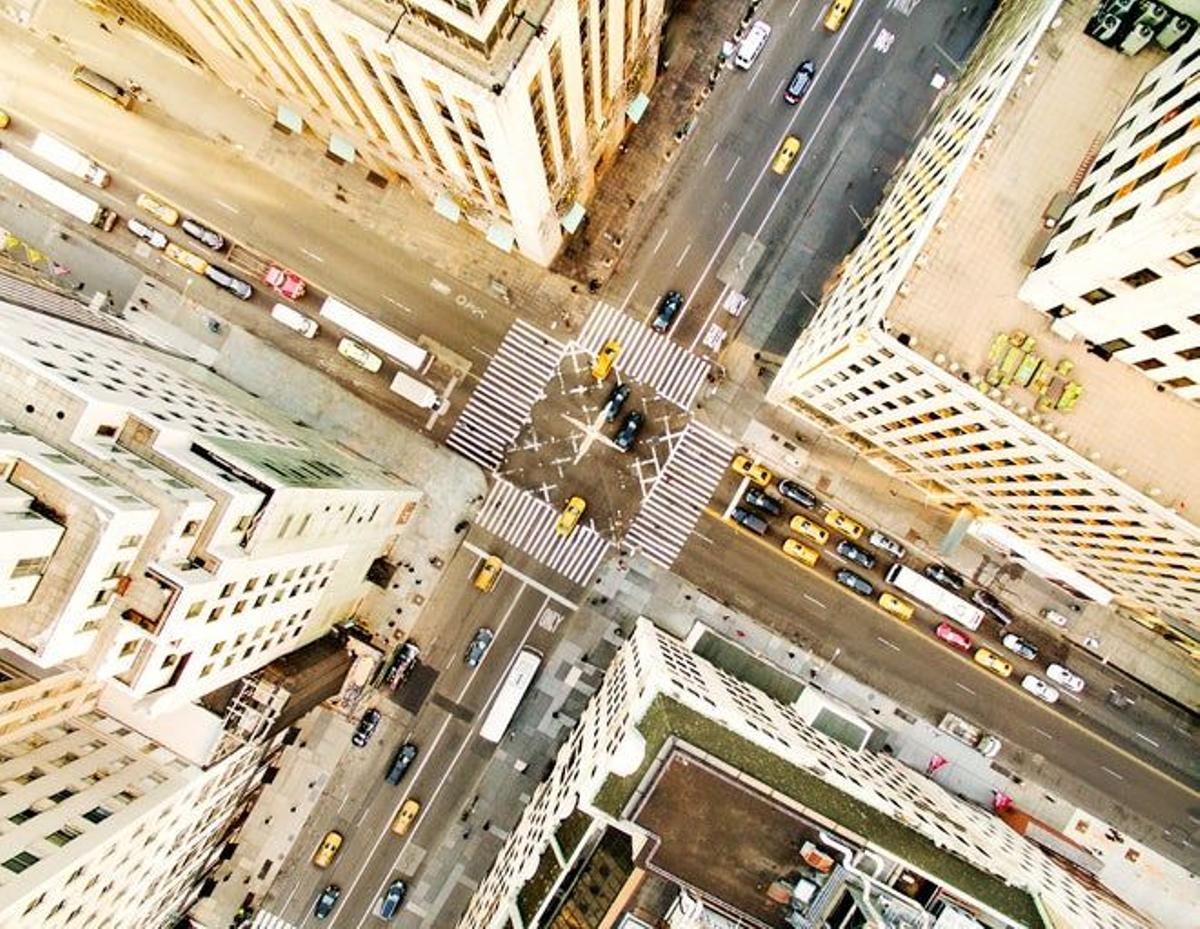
{"type": "Point", "coordinates": [843, 524]}
{"type": "Point", "coordinates": [570, 516]}
{"type": "Point", "coordinates": [801, 553]}
{"type": "Point", "coordinates": [836, 14]}
{"type": "Point", "coordinates": [787, 153]}
{"type": "Point", "coordinates": [605, 359]}
{"type": "Point", "coordinates": [3, 120]}
{"type": "Point", "coordinates": [160, 211]}
{"type": "Point", "coordinates": [758, 474]}
{"type": "Point", "coordinates": [993, 662]}
{"type": "Point", "coordinates": [327, 850]}
{"type": "Point", "coordinates": [409, 810]}
{"type": "Point", "coordinates": [186, 259]}
{"type": "Point", "coordinates": [807, 527]}
{"type": "Point", "coordinates": [895, 605]}
{"type": "Point", "coordinates": [489, 573]}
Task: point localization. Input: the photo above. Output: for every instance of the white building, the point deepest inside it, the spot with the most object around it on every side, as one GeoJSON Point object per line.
{"type": "Point", "coordinates": [161, 533]}
{"type": "Point", "coordinates": [922, 357]}
{"type": "Point", "coordinates": [1123, 269]}
{"type": "Point", "coordinates": [103, 827]}
{"type": "Point", "coordinates": [501, 112]}
{"type": "Point", "coordinates": [657, 694]}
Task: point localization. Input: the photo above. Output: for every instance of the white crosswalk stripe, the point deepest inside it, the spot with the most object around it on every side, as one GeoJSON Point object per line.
{"type": "Point", "coordinates": [647, 357]}
{"type": "Point", "coordinates": [698, 460]}
{"type": "Point", "coordinates": [265, 920]}
{"type": "Point", "coordinates": [513, 382]}
{"type": "Point", "coordinates": [526, 521]}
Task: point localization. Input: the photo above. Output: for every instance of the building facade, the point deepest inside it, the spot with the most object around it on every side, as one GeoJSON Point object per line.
{"type": "Point", "coordinates": [908, 357]}
{"type": "Point", "coordinates": [1123, 269]}
{"type": "Point", "coordinates": [611, 741]}
{"type": "Point", "coordinates": [160, 532]}
{"type": "Point", "coordinates": [502, 113]}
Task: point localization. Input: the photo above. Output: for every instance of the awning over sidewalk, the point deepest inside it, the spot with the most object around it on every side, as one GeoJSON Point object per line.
{"type": "Point", "coordinates": [573, 217]}
{"type": "Point", "coordinates": [1040, 562]}
{"type": "Point", "coordinates": [637, 107]}
{"type": "Point", "coordinates": [289, 119]}
{"type": "Point", "coordinates": [445, 206]}
{"type": "Point", "coordinates": [342, 147]}
{"type": "Point", "coordinates": [502, 237]}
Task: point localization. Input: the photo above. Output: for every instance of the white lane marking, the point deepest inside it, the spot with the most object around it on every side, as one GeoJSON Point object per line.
{"type": "Point", "coordinates": [230, 208]}
{"type": "Point", "coordinates": [1146, 738]}
{"type": "Point", "coordinates": [429, 754]}
{"type": "Point", "coordinates": [814, 600]}
{"type": "Point", "coordinates": [758, 180]}
{"type": "Point", "coordinates": [779, 89]}
{"type": "Point", "coordinates": [1112, 772]}
{"type": "Point", "coordinates": [524, 578]}
{"type": "Point", "coordinates": [757, 72]}
{"type": "Point", "coordinates": [718, 142]}
{"type": "Point", "coordinates": [891, 645]}
{"type": "Point", "coordinates": [687, 248]}
{"type": "Point", "coordinates": [816, 132]}
{"type": "Point", "coordinates": [397, 303]}
{"type": "Point", "coordinates": [312, 256]}
{"type": "Point", "coordinates": [629, 296]}
{"type": "Point", "coordinates": [1042, 732]}
{"type": "Point", "coordinates": [964, 687]}
{"type": "Point", "coordinates": [792, 11]}
{"type": "Point", "coordinates": [441, 287]}
{"type": "Point", "coordinates": [736, 498]}
{"type": "Point", "coordinates": [733, 167]}
{"type": "Point", "coordinates": [659, 243]}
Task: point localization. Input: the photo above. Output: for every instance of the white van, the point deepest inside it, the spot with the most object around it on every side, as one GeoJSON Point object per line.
{"type": "Point", "coordinates": [295, 321]}
{"type": "Point", "coordinates": [415, 391]}
{"type": "Point", "coordinates": [752, 45]}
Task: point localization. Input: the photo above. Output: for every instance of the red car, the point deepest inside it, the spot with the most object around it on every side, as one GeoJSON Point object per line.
{"type": "Point", "coordinates": [953, 637]}
{"type": "Point", "coordinates": [287, 284]}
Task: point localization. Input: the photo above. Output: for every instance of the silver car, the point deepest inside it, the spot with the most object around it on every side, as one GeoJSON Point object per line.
{"type": "Point", "coordinates": [885, 543]}
{"type": "Point", "coordinates": [224, 279]}
{"type": "Point", "coordinates": [1039, 688]}
{"type": "Point", "coordinates": [147, 234]}
{"type": "Point", "coordinates": [209, 237]}
{"type": "Point", "coordinates": [1061, 674]}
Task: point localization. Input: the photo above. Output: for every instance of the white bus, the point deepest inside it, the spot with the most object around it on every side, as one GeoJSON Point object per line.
{"type": "Point", "coordinates": [415, 391]}
{"type": "Point", "coordinates": [56, 192]}
{"type": "Point", "coordinates": [511, 693]}
{"type": "Point", "coordinates": [934, 596]}
{"type": "Point", "coordinates": [375, 334]}
{"type": "Point", "coordinates": [61, 155]}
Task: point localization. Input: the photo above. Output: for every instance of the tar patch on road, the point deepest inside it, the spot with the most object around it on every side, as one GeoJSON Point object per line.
{"type": "Point", "coordinates": [413, 692]}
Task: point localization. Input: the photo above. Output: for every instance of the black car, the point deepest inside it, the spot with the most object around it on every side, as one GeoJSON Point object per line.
{"type": "Point", "coordinates": [668, 309]}
{"type": "Point", "coordinates": [856, 582]}
{"type": "Point", "coordinates": [235, 285]}
{"type": "Point", "coordinates": [800, 82]}
{"type": "Point", "coordinates": [478, 647]}
{"type": "Point", "coordinates": [759, 498]}
{"type": "Point", "coordinates": [213, 240]}
{"type": "Point", "coordinates": [940, 574]}
{"type": "Point", "coordinates": [798, 494]}
{"type": "Point", "coordinates": [327, 901]}
{"type": "Point", "coordinates": [616, 400]}
{"type": "Point", "coordinates": [749, 520]}
{"type": "Point", "coordinates": [629, 430]}
{"type": "Point", "coordinates": [852, 552]}
{"type": "Point", "coordinates": [405, 756]}
{"type": "Point", "coordinates": [392, 900]}
{"type": "Point", "coordinates": [366, 727]}
{"type": "Point", "coordinates": [987, 600]}
{"type": "Point", "coordinates": [402, 664]}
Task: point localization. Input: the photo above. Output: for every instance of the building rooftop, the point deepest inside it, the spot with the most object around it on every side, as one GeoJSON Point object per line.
{"type": "Point", "coordinates": [963, 292]}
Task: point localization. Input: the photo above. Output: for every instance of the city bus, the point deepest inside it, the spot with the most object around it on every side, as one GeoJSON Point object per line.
{"type": "Point", "coordinates": [55, 192]}
{"type": "Point", "coordinates": [375, 334]}
{"type": "Point", "coordinates": [934, 596]}
{"type": "Point", "coordinates": [516, 684]}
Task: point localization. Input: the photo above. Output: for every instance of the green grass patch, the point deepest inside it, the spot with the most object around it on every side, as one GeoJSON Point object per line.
{"type": "Point", "coordinates": [529, 900]}
{"type": "Point", "coordinates": [570, 832]}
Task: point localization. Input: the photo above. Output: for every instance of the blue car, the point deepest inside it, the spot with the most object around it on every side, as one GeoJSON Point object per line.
{"type": "Point", "coordinates": [391, 901]}
{"type": "Point", "coordinates": [668, 309]}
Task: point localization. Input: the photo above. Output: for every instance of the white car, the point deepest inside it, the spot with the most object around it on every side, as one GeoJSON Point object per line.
{"type": "Point", "coordinates": [361, 356]}
{"type": "Point", "coordinates": [1061, 674]}
{"type": "Point", "coordinates": [147, 234]}
{"type": "Point", "coordinates": [1055, 617]}
{"type": "Point", "coordinates": [1039, 688]}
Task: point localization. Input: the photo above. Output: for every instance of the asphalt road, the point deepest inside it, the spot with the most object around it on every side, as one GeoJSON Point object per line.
{"type": "Point", "coordinates": [1142, 761]}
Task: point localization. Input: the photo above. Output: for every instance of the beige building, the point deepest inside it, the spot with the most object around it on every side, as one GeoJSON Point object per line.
{"type": "Point", "coordinates": [923, 358]}
{"type": "Point", "coordinates": [161, 532]}
{"type": "Point", "coordinates": [1123, 269]}
{"type": "Point", "coordinates": [503, 113]}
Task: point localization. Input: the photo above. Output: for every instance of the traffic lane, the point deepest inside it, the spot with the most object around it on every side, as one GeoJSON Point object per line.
{"type": "Point", "coordinates": [281, 220]}
{"type": "Point", "coordinates": [906, 660]}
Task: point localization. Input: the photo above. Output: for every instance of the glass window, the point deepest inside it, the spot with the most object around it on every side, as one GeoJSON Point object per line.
{"type": "Point", "coordinates": [1160, 332]}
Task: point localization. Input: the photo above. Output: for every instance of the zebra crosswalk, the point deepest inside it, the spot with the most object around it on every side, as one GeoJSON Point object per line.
{"type": "Point", "coordinates": [512, 383]}
{"type": "Point", "coordinates": [696, 464]}
{"type": "Point", "coordinates": [265, 920]}
{"type": "Point", "coordinates": [647, 357]}
{"type": "Point", "coordinates": [526, 521]}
